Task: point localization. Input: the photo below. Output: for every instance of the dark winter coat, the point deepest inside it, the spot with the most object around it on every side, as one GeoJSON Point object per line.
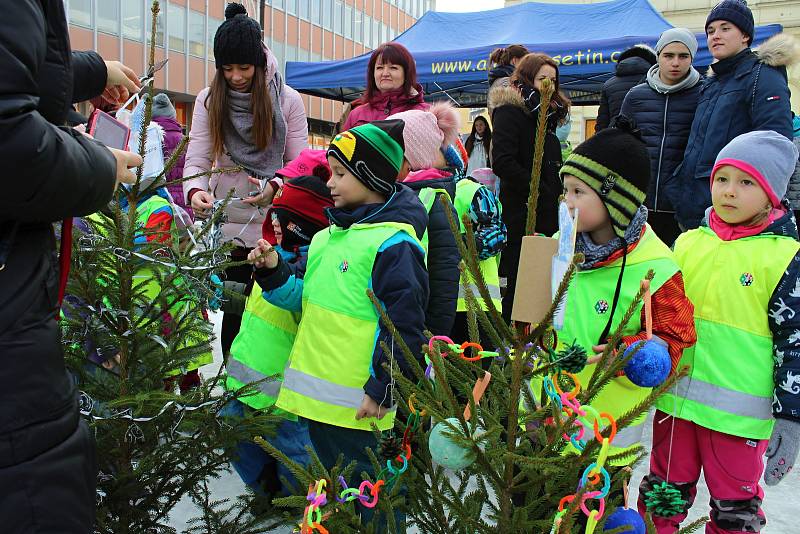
{"type": "Point", "coordinates": [173, 134]}
{"type": "Point", "coordinates": [665, 121]}
{"type": "Point", "coordinates": [741, 94]}
{"type": "Point", "coordinates": [513, 140]}
{"type": "Point", "coordinates": [631, 69]}
{"type": "Point", "coordinates": [399, 281]}
{"type": "Point", "coordinates": [443, 259]}
{"type": "Point", "coordinates": [51, 173]}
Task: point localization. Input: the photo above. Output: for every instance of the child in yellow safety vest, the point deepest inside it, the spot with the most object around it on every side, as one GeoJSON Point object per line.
{"type": "Point", "coordinates": [605, 181]}
{"type": "Point", "coordinates": [741, 398]}
{"type": "Point", "coordinates": [337, 377]}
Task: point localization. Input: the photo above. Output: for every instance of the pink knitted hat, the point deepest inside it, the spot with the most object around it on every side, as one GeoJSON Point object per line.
{"type": "Point", "coordinates": [426, 132]}
{"type": "Point", "coordinates": [305, 163]}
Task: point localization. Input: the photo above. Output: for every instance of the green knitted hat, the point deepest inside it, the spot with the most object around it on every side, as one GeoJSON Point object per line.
{"type": "Point", "coordinates": [373, 153]}
{"type": "Point", "coordinates": [615, 164]}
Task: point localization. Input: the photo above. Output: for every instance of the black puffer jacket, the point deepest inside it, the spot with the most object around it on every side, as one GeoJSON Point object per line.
{"type": "Point", "coordinates": [665, 121]}
{"type": "Point", "coordinates": [443, 258]}
{"type": "Point", "coordinates": [513, 140]}
{"type": "Point", "coordinates": [631, 70]}
{"type": "Point", "coordinates": [49, 173]}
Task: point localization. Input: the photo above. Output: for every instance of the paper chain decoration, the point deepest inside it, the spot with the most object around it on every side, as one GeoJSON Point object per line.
{"type": "Point", "coordinates": [367, 492]}
{"type": "Point", "coordinates": [569, 404]}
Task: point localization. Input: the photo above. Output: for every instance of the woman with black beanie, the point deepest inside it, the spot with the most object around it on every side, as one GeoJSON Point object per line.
{"type": "Point", "coordinates": [249, 119]}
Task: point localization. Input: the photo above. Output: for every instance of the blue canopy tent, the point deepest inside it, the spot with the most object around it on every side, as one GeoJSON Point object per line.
{"type": "Point", "coordinates": [452, 49]}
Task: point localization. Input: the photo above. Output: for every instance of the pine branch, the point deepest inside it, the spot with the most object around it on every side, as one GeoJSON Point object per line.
{"type": "Point", "coordinates": [545, 93]}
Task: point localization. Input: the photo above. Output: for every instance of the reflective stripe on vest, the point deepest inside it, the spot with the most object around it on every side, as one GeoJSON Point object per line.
{"type": "Point", "coordinates": [730, 383]}
{"type": "Point", "coordinates": [247, 375]}
{"type": "Point", "coordinates": [465, 193]}
{"type": "Point", "coordinates": [327, 373]}
{"type": "Point", "coordinates": [588, 303]}
{"type": "Point", "coordinates": [261, 350]}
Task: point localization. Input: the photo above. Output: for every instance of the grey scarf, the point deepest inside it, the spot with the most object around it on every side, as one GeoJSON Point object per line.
{"type": "Point", "coordinates": [657, 85]}
{"type": "Point", "coordinates": [595, 253]}
{"type": "Point", "coordinates": [238, 134]}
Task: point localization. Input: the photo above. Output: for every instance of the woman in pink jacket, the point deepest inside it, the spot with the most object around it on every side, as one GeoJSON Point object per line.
{"type": "Point", "coordinates": [250, 119]}
{"type": "Point", "coordinates": [391, 87]}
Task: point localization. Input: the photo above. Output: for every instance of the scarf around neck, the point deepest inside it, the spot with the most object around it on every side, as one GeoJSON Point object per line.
{"type": "Point", "coordinates": [654, 81]}
{"type": "Point", "coordinates": [594, 253]}
{"type": "Point", "coordinates": [238, 134]}
{"type": "Point", "coordinates": [731, 232]}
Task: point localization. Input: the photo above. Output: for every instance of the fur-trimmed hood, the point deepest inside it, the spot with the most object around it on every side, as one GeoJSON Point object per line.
{"type": "Point", "coordinates": [639, 50]}
{"type": "Point", "coordinates": [506, 96]}
{"type": "Point", "coordinates": [780, 50]}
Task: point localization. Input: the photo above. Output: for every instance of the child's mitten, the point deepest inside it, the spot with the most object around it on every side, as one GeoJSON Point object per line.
{"type": "Point", "coordinates": [782, 450]}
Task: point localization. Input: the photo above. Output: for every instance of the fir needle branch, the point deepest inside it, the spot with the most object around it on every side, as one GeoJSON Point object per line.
{"type": "Point", "coordinates": [545, 93]}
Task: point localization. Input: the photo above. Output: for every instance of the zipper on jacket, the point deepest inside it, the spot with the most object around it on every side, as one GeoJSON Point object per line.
{"type": "Point", "coordinates": [661, 153]}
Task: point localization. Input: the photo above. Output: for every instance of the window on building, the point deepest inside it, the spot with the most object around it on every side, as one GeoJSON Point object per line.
{"type": "Point", "coordinates": [213, 24]}
{"type": "Point", "coordinates": [80, 12]}
{"type": "Point", "coordinates": [291, 7]}
{"type": "Point", "coordinates": [278, 50]}
{"type": "Point", "coordinates": [177, 27]}
{"type": "Point", "coordinates": [315, 12]}
{"type": "Point", "coordinates": [384, 33]}
{"type": "Point", "coordinates": [376, 33]}
{"type": "Point", "coordinates": [197, 41]}
{"type": "Point", "coordinates": [108, 16]}
{"type": "Point", "coordinates": [337, 17]}
{"type": "Point", "coordinates": [302, 9]}
{"type": "Point", "coordinates": [327, 6]}
{"type": "Point", "coordinates": [348, 22]}
{"type": "Point", "coordinates": [132, 16]}
{"type": "Point", "coordinates": [358, 28]}
{"type": "Point", "coordinates": [277, 4]}
{"type": "Point", "coordinates": [366, 25]}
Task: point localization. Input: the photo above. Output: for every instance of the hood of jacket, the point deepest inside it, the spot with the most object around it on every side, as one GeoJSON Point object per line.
{"type": "Point", "coordinates": [781, 50]}
{"type": "Point", "coordinates": [633, 66]}
{"type": "Point", "coordinates": [641, 51]}
{"type": "Point", "coordinates": [402, 207]}
{"type": "Point", "coordinates": [506, 96]}
{"type": "Point", "coordinates": [433, 178]}
{"type": "Point", "coordinates": [501, 71]}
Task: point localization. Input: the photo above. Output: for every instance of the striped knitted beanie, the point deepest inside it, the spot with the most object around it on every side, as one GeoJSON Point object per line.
{"type": "Point", "coordinates": [615, 164]}
{"type": "Point", "coordinates": [372, 152]}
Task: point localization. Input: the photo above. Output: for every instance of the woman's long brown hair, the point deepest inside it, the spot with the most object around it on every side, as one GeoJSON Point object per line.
{"type": "Point", "coordinates": [260, 106]}
{"type": "Point", "coordinates": [487, 136]}
{"type": "Point", "coordinates": [526, 72]}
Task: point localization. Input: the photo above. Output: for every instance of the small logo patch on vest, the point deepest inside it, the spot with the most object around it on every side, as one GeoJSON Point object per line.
{"type": "Point", "coordinates": [746, 279]}
{"type": "Point", "coordinates": [751, 443]}
{"type": "Point", "coordinates": [601, 307]}
{"type": "Point", "coordinates": [343, 266]}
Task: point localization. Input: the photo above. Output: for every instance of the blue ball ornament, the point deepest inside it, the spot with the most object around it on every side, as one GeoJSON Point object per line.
{"type": "Point", "coordinates": [650, 366]}
{"type": "Point", "coordinates": [446, 452]}
{"type": "Point", "coordinates": [626, 517]}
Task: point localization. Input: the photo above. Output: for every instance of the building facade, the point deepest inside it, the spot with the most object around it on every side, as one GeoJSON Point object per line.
{"type": "Point", "coordinates": [295, 30]}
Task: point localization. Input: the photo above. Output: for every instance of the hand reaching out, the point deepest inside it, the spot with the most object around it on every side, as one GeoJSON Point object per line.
{"type": "Point", "coordinates": [263, 256]}
{"type": "Point", "coordinates": [370, 408]}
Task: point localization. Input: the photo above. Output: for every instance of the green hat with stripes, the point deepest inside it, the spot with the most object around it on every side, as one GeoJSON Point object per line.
{"type": "Point", "coordinates": [373, 153]}
{"type": "Point", "coordinates": [615, 164]}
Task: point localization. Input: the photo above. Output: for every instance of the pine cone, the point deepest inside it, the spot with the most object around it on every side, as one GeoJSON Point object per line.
{"type": "Point", "coordinates": [664, 500]}
{"type": "Point", "coordinates": [572, 359]}
{"type": "Point", "coordinates": [390, 447]}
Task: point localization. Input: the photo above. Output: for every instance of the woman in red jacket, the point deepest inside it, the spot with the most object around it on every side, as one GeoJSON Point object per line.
{"type": "Point", "coordinates": [391, 87]}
